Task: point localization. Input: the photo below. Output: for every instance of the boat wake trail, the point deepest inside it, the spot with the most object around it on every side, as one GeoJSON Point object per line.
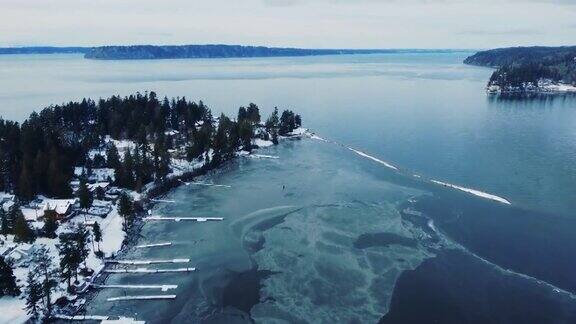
{"type": "Point", "coordinates": [471, 191]}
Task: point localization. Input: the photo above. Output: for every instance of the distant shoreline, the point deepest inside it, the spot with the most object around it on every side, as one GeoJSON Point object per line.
{"type": "Point", "coordinates": [154, 52]}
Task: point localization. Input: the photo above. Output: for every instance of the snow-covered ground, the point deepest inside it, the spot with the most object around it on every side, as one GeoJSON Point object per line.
{"type": "Point", "coordinates": [106, 215]}
{"type": "Point", "coordinates": [544, 85]}
{"type": "Point", "coordinates": [12, 308]}
{"type": "Point", "coordinates": [559, 87]}
{"type": "Point", "coordinates": [261, 142]}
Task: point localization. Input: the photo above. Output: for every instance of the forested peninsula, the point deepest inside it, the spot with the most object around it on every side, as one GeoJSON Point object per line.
{"type": "Point", "coordinates": [529, 69]}
{"type": "Point", "coordinates": [75, 179]}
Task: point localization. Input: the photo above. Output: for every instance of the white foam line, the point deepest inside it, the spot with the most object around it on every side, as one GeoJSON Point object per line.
{"type": "Point", "coordinates": [81, 317]}
{"type": "Point", "coordinates": [163, 200]}
{"type": "Point", "coordinates": [386, 164]}
{"type": "Point", "coordinates": [474, 192]}
{"type": "Point", "coordinates": [143, 262]}
{"type": "Point", "coordinates": [207, 184]}
{"type": "Point", "coordinates": [177, 219]}
{"type": "Point", "coordinates": [151, 297]}
{"type": "Point", "coordinates": [153, 245]}
{"type": "Point", "coordinates": [161, 287]}
{"type": "Point", "coordinates": [316, 137]}
{"type": "Point", "coordinates": [261, 156]}
{"type": "Point", "coordinates": [186, 183]}
{"type": "Point", "coordinates": [468, 190]}
{"type": "Point", "coordinates": [144, 270]}
{"type": "Point", "coordinates": [103, 319]}
{"type": "Point", "coordinates": [514, 273]}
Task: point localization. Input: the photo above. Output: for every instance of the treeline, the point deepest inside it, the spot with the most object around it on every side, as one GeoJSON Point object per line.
{"type": "Point", "coordinates": [38, 156]}
{"type": "Point", "coordinates": [522, 68]}
{"type": "Point", "coordinates": [214, 51]}
{"type": "Point", "coordinates": [501, 57]}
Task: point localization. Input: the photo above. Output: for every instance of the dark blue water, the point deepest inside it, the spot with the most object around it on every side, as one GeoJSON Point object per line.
{"type": "Point", "coordinates": [348, 239]}
{"type": "Point", "coordinates": [425, 112]}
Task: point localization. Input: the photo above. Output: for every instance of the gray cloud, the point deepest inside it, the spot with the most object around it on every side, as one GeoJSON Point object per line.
{"type": "Point", "coordinates": [298, 23]}
{"type": "Point", "coordinates": [507, 32]}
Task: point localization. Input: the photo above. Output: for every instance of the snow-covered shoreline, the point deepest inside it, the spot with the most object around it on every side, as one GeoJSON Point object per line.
{"type": "Point", "coordinates": [544, 86]}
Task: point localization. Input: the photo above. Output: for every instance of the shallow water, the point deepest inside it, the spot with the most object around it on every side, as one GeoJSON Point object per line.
{"type": "Point", "coordinates": [302, 236]}
{"type": "Point", "coordinates": [288, 249]}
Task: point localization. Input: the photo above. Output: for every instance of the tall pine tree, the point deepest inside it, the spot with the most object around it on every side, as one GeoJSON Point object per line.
{"type": "Point", "coordinates": [33, 294]}
{"type": "Point", "coordinates": [7, 279]}
{"type": "Point", "coordinates": [22, 231]}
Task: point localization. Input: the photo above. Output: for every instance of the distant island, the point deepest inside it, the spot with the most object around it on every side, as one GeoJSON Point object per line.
{"type": "Point", "coordinates": [147, 52]}
{"type": "Point", "coordinates": [152, 52]}
{"type": "Point", "coordinates": [529, 69]}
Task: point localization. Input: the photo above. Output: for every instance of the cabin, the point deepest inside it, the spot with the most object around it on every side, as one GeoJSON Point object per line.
{"type": "Point", "coordinates": [20, 254]}
{"type": "Point", "coordinates": [62, 207]}
{"type": "Point", "coordinates": [7, 201]}
{"type": "Point", "coordinates": [104, 186]}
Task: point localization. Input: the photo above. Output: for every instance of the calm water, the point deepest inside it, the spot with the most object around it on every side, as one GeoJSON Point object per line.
{"type": "Point", "coordinates": [426, 113]}
{"type": "Point", "coordinates": [349, 240]}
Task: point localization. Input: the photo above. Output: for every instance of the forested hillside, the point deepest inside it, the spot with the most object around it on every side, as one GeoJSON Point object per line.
{"type": "Point", "coordinates": [528, 68]}
{"type": "Point", "coordinates": [38, 156]}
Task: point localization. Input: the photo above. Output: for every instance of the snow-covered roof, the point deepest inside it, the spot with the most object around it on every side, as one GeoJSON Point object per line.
{"type": "Point", "coordinates": [7, 200]}
{"type": "Point", "coordinates": [122, 145]}
{"type": "Point", "coordinates": [98, 174]}
{"type": "Point", "coordinates": [93, 186]}
{"type": "Point", "coordinates": [93, 153]}
{"type": "Point", "coordinates": [31, 214]}
{"type": "Point", "coordinates": [78, 171]}
{"type": "Point", "coordinates": [102, 175]}
{"type": "Point", "coordinates": [6, 196]}
{"type": "Point", "coordinates": [8, 204]}
{"type": "Point", "coordinates": [60, 206]}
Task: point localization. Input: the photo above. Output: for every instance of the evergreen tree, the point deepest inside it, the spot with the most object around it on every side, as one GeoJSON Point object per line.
{"type": "Point", "coordinates": [97, 234]}
{"type": "Point", "coordinates": [58, 180]}
{"type": "Point", "coordinates": [82, 236]}
{"type": "Point", "coordinates": [69, 258]}
{"type": "Point", "coordinates": [100, 194]}
{"type": "Point", "coordinates": [22, 231]}
{"type": "Point", "coordinates": [33, 293]}
{"type": "Point", "coordinates": [112, 157]}
{"type": "Point", "coordinates": [25, 190]}
{"type": "Point", "coordinates": [128, 171]}
{"type": "Point", "coordinates": [50, 224]}
{"type": "Point", "coordinates": [287, 122]}
{"type": "Point", "coordinates": [273, 121]}
{"type": "Point", "coordinates": [7, 280]}
{"type": "Point", "coordinates": [125, 209]}
{"type": "Point", "coordinates": [272, 124]}
{"type": "Point", "coordinates": [85, 197]}
{"type": "Point", "coordinates": [253, 114]}
{"type": "Point", "coordinates": [42, 265]}
{"type": "Point", "coordinates": [246, 133]}
{"type": "Point", "coordinates": [161, 158]}
{"type": "Point", "coordinates": [4, 227]}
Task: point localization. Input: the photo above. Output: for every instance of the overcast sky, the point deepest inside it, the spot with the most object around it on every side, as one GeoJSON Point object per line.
{"type": "Point", "coordinates": [298, 23]}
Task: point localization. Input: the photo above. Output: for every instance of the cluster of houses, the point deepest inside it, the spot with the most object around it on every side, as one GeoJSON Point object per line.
{"type": "Point", "coordinates": [99, 182]}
